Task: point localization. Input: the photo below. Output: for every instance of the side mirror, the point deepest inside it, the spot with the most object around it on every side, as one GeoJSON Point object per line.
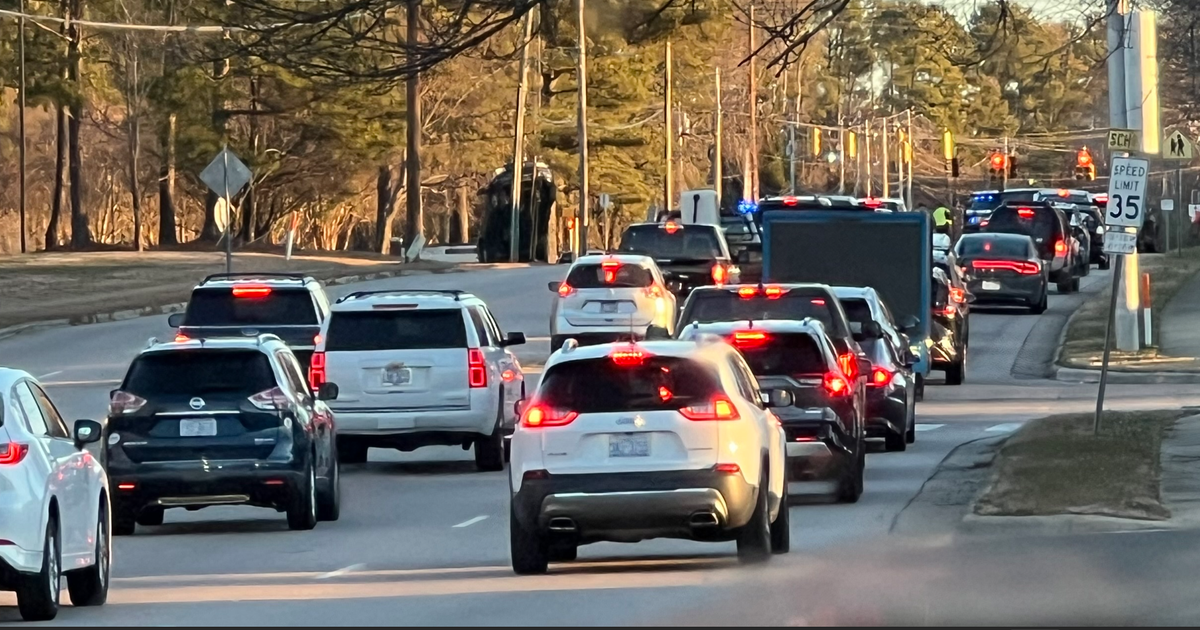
{"type": "Point", "coordinates": [520, 406]}
{"type": "Point", "coordinates": [553, 286]}
{"type": "Point", "coordinates": [86, 432]}
{"type": "Point", "coordinates": [909, 323]}
{"type": "Point", "coordinates": [775, 398]}
{"type": "Point", "coordinates": [872, 330]}
{"type": "Point", "coordinates": [175, 320]}
{"type": "Point", "coordinates": [327, 391]}
{"type": "Point", "coordinates": [657, 332]}
{"type": "Point", "coordinates": [513, 339]}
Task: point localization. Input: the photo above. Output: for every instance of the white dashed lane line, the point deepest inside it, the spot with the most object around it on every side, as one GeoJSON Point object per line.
{"type": "Point", "coordinates": [928, 427]}
{"type": "Point", "coordinates": [1007, 427]}
{"type": "Point", "coordinates": [471, 521]}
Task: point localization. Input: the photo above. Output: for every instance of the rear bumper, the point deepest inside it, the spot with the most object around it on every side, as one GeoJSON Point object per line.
{"type": "Point", "coordinates": [887, 411]}
{"type": "Point", "coordinates": [1022, 290]}
{"type": "Point", "coordinates": [817, 444]}
{"type": "Point", "coordinates": [385, 423]}
{"type": "Point", "coordinates": [204, 482]}
{"type": "Point", "coordinates": [14, 561]}
{"type": "Point", "coordinates": [693, 504]}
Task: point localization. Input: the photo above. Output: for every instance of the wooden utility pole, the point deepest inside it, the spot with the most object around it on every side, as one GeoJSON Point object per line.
{"type": "Point", "coordinates": [414, 222]}
{"type": "Point", "coordinates": [668, 153]}
{"type": "Point", "coordinates": [518, 175]}
{"type": "Point", "coordinates": [887, 164]}
{"type": "Point", "coordinates": [581, 123]}
{"type": "Point", "coordinates": [909, 155]}
{"type": "Point", "coordinates": [752, 104]}
{"type": "Point", "coordinates": [867, 156]}
{"type": "Point", "coordinates": [718, 177]}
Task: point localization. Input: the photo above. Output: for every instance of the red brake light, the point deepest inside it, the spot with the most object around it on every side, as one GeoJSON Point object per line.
{"type": "Point", "coordinates": [538, 415]}
{"type": "Point", "coordinates": [790, 200]}
{"type": "Point", "coordinates": [12, 453]}
{"type": "Point", "coordinates": [818, 301]}
{"type": "Point", "coordinates": [316, 370]}
{"type": "Point", "coordinates": [126, 486]}
{"type": "Point", "coordinates": [1063, 192]}
{"type": "Point", "coordinates": [251, 291]}
{"type": "Point", "coordinates": [958, 295]}
{"type": "Point", "coordinates": [730, 468]}
{"type": "Point", "coordinates": [654, 291]}
{"type": "Point", "coordinates": [880, 377]}
{"type": "Point", "coordinates": [949, 310]}
{"type": "Point", "coordinates": [124, 402]}
{"type": "Point", "coordinates": [181, 337]}
{"type": "Point", "coordinates": [836, 385]}
{"type": "Point", "coordinates": [1025, 213]}
{"type": "Point", "coordinates": [565, 289]}
{"type": "Point", "coordinates": [872, 202]}
{"type": "Point", "coordinates": [271, 399]}
{"type": "Point", "coordinates": [1019, 266]}
{"type": "Point", "coordinates": [719, 273]}
{"type": "Point", "coordinates": [671, 227]}
{"type": "Point", "coordinates": [1060, 246]}
{"type": "Point", "coordinates": [747, 292]}
{"type": "Point", "coordinates": [610, 268]}
{"type": "Point", "coordinates": [720, 407]}
{"type": "Point", "coordinates": [476, 370]}
{"type": "Point", "coordinates": [774, 293]}
{"type": "Point", "coordinates": [628, 358]}
{"type": "Point", "coordinates": [849, 364]}
{"type": "Point", "coordinates": [749, 338]}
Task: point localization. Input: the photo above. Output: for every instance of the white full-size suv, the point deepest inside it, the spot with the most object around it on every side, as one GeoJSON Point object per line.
{"type": "Point", "coordinates": [611, 297]}
{"type": "Point", "coordinates": [54, 503]}
{"type": "Point", "coordinates": [631, 441]}
{"type": "Point", "coordinates": [419, 368]}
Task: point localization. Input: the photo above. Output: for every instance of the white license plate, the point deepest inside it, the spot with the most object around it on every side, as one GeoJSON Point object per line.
{"type": "Point", "coordinates": [397, 376]}
{"type": "Point", "coordinates": [608, 307]}
{"type": "Point", "coordinates": [991, 286]}
{"type": "Point", "coordinates": [202, 427]}
{"type": "Point", "coordinates": [631, 445]}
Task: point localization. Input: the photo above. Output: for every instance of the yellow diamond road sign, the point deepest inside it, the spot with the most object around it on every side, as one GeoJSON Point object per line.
{"type": "Point", "coordinates": [1123, 139]}
{"type": "Point", "coordinates": [1178, 147]}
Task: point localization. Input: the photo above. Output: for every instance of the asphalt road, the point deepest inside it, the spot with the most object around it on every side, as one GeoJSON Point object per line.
{"type": "Point", "coordinates": [423, 538]}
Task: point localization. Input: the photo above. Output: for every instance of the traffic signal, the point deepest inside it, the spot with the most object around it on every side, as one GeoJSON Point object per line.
{"type": "Point", "coordinates": [998, 162]}
{"type": "Point", "coordinates": [816, 140]}
{"type": "Point", "coordinates": [570, 223]}
{"type": "Point", "coordinates": [1085, 167]}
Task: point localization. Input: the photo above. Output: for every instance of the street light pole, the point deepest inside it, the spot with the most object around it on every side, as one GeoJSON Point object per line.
{"type": "Point", "coordinates": [583, 134]}
{"type": "Point", "coordinates": [21, 123]}
{"type": "Point", "coordinates": [514, 229]}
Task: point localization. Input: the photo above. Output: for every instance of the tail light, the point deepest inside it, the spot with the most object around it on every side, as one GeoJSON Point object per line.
{"type": "Point", "coordinates": [747, 292]}
{"type": "Point", "coordinates": [774, 293]}
{"type": "Point", "coordinates": [881, 376]}
{"type": "Point", "coordinates": [720, 407]}
{"type": "Point", "coordinates": [476, 370]}
{"type": "Point", "coordinates": [1025, 213]}
{"type": "Point", "coordinates": [836, 385]}
{"type": "Point", "coordinates": [1060, 246]}
{"type": "Point", "coordinates": [12, 453]}
{"type": "Point", "coordinates": [124, 402]}
{"type": "Point", "coordinates": [542, 416]}
{"type": "Point", "coordinates": [958, 295]}
{"type": "Point", "coordinates": [849, 364]}
{"type": "Point", "coordinates": [749, 338]}
{"type": "Point", "coordinates": [654, 291]}
{"type": "Point", "coordinates": [1022, 267]}
{"type": "Point", "coordinates": [719, 273]}
{"type": "Point", "coordinates": [316, 370]}
{"type": "Point", "coordinates": [565, 289]}
{"type": "Point", "coordinates": [949, 310]}
{"type": "Point", "coordinates": [271, 400]}
{"type": "Point", "coordinates": [181, 337]}
{"type": "Point", "coordinates": [671, 227]}
{"type": "Point", "coordinates": [251, 291]}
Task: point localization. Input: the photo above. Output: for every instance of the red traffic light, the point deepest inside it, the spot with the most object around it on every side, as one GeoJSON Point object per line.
{"type": "Point", "coordinates": [571, 223]}
{"type": "Point", "coordinates": [998, 161]}
{"type": "Point", "coordinates": [1084, 157]}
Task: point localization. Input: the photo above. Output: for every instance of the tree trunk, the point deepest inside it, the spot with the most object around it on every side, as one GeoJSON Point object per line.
{"type": "Point", "coordinates": [249, 205]}
{"type": "Point", "coordinates": [209, 232]}
{"type": "Point", "coordinates": [166, 185]}
{"type": "Point", "coordinates": [414, 225]}
{"type": "Point", "coordinates": [81, 234]}
{"type": "Point", "coordinates": [60, 165]}
{"type": "Point", "coordinates": [133, 117]}
{"type": "Point", "coordinates": [464, 210]}
{"type": "Point", "coordinates": [383, 210]}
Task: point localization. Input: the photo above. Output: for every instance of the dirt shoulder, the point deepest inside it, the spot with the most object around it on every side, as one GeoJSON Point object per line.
{"type": "Point", "coordinates": [1055, 465]}
{"type": "Point", "coordinates": [54, 286]}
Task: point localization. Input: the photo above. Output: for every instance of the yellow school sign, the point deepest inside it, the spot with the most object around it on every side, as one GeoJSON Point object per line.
{"type": "Point", "coordinates": [1123, 139]}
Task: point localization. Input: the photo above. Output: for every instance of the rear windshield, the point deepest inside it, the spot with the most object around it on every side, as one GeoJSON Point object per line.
{"type": "Point", "coordinates": [622, 277]}
{"type": "Point", "coordinates": [1043, 224]}
{"type": "Point", "coordinates": [992, 246]}
{"type": "Point", "coordinates": [725, 306]}
{"type": "Point", "coordinates": [351, 331]}
{"type": "Point", "coordinates": [991, 201]}
{"type": "Point", "coordinates": [688, 242]}
{"type": "Point", "coordinates": [785, 354]}
{"type": "Point", "coordinates": [601, 386]}
{"type": "Point", "coordinates": [199, 372]}
{"type": "Point", "coordinates": [280, 307]}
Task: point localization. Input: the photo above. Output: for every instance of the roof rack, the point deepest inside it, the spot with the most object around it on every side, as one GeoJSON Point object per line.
{"type": "Point", "coordinates": [455, 293]}
{"type": "Point", "coordinates": [245, 275]}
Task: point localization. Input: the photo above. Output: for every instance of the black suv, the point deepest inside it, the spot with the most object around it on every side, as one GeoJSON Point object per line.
{"type": "Point", "coordinates": [689, 254]}
{"type": "Point", "coordinates": [290, 306]}
{"type": "Point", "coordinates": [1051, 235]}
{"type": "Point", "coordinates": [220, 422]}
{"type": "Point", "coordinates": [949, 350]}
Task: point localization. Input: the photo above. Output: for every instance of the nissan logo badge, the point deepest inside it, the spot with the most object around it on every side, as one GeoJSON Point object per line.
{"type": "Point", "coordinates": [196, 403]}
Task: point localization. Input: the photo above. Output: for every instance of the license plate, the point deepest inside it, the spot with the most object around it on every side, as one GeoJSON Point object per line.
{"type": "Point", "coordinates": [991, 286]}
{"type": "Point", "coordinates": [632, 445]}
{"type": "Point", "coordinates": [202, 427]}
{"type": "Point", "coordinates": [397, 376]}
{"type": "Point", "coordinates": [608, 307]}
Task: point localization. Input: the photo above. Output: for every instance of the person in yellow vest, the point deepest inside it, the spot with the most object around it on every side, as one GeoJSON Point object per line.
{"type": "Point", "coordinates": [942, 219]}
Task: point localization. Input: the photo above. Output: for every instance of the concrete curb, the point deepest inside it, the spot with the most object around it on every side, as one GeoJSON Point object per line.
{"type": "Point", "coordinates": [1080, 375]}
{"type": "Point", "coordinates": [175, 307]}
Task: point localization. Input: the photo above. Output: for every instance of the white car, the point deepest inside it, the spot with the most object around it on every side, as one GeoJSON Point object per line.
{"type": "Point", "coordinates": [632, 441]}
{"type": "Point", "coordinates": [419, 368]}
{"type": "Point", "coordinates": [54, 503]}
{"type": "Point", "coordinates": [608, 298]}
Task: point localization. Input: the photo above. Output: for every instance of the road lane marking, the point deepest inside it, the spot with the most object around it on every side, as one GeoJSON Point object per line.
{"type": "Point", "coordinates": [1007, 427]}
{"type": "Point", "coordinates": [340, 572]}
{"type": "Point", "coordinates": [928, 427]}
{"type": "Point", "coordinates": [471, 521]}
{"type": "Point", "coordinates": [68, 383]}
{"type": "Point", "coordinates": [48, 375]}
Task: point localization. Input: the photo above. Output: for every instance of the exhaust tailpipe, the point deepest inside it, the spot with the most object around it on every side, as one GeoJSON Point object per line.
{"type": "Point", "coordinates": [703, 519]}
{"type": "Point", "coordinates": [561, 524]}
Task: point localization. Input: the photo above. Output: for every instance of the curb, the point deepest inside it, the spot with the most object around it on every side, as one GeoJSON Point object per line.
{"type": "Point", "coordinates": [175, 307]}
{"type": "Point", "coordinates": [1081, 375]}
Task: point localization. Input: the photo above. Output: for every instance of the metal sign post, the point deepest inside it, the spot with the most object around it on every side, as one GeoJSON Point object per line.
{"type": "Point", "coordinates": [226, 176]}
{"type": "Point", "coordinates": [1123, 217]}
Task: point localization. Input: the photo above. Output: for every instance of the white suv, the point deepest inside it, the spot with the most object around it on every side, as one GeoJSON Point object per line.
{"type": "Point", "coordinates": [54, 503]}
{"type": "Point", "coordinates": [419, 368]}
{"type": "Point", "coordinates": [662, 439]}
{"type": "Point", "coordinates": [609, 298]}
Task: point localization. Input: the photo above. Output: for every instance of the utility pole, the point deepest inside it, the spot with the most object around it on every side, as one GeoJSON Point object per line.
{"type": "Point", "coordinates": [581, 124]}
{"type": "Point", "coordinates": [752, 103]}
{"type": "Point", "coordinates": [21, 123]}
{"type": "Point", "coordinates": [414, 222]}
{"type": "Point", "coordinates": [841, 153]}
{"type": "Point", "coordinates": [514, 229]}
{"type": "Point", "coordinates": [1007, 165]}
{"type": "Point", "coordinates": [668, 156]}
{"type": "Point", "coordinates": [867, 141]}
{"type": "Point", "coordinates": [887, 163]}
{"type": "Point", "coordinates": [718, 176]}
{"type": "Point", "coordinates": [908, 155]}
{"type": "Point", "coordinates": [792, 158]}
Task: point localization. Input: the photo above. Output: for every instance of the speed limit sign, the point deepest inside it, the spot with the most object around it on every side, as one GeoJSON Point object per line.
{"type": "Point", "coordinates": [1127, 193]}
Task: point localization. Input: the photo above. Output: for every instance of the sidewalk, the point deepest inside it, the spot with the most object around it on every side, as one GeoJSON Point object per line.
{"type": "Point", "coordinates": [1180, 327]}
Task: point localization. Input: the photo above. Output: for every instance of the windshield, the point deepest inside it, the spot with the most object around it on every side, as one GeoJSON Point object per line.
{"type": "Point", "coordinates": [690, 242]}
{"type": "Point", "coordinates": [602, 386]}
{"type": "Point", "coordinates": [396, 330]}
{"type": "Point", "coordinates": [785, 354]}
{"type": "Point", "coordinates": [257, 307]}
{"type": "Point", "coordinates": [615, 276]}
{"type": "Point", "coordinates": [199, 373]}
{"type": "Point", "coordinates": [980, 245]}
{"type": "Point", "coordinates": [726, 306]}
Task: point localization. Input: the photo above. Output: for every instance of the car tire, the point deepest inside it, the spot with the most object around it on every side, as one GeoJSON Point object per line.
{"type": "Point", "coordinates": [956, 372]}
{"type": "Point", "coordinates": [507, 450]}
{"type": "Point", "coordinates": [1103, 264]}
{"type": "Point", "coordinates": [910, 436]}
{"type": "Point", "coordinates": [530, 550]}
{"type": "Point", "coordinates": [124, 521]}
{"type": "Point", "coordinates": [352, 452]}
{"type": "Point", "coordinates": [919, 390]}
{"type": "Point", "coordinates": [781, 527]}
{"type": "Point", "coordinates": [89, 586]}
{"type": "Point", "coordinates": [329, 502]}
{"type": "Point", "coordinates": [38, 594]}
{"type": "Point", "coordinates": [563, 552]}
{"type": "Point", "coordinates": [852, 479]}
{"type": "Point", "coordinates": [1040, 307]}
{"type": "Point", "coordinates": [895, 442]}
{"type": "Point", "coordinates": [1075, 285]}
{"type": "Point", "coordinates": [489, 449]}
{"type": "Point", "coordinates": [302, 505]}
{"type": "Point", "coordinates": [151, 516]}
{"type": "Point", "coordinates": [754, 538]}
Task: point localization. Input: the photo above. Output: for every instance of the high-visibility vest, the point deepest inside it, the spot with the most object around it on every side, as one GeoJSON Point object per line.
{"type": "Point", "coordinates": [941, 216]}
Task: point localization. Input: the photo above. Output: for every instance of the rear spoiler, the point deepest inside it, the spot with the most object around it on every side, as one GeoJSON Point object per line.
{"type": "Point", "coordinates": [255, 275]}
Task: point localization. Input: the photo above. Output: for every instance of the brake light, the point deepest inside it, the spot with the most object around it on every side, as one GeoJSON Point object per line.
{"type": "Point", "coordinates": [654, 291]}
{"type": "Point", "coordinates": [836, 385]}
{"type": "Point", "coordinates": [126, 486]}
{"type": "Point", "coordinates": [790, 200]}
{"type": "Point", "coordinates": [872, 202]}
{"type": "Point", "coordinates": [849, 364]}
{"type": "Point", "coordinates": [1060, 246]}
{"type": "Point", "coordinates": [1019, 266]}
{"type": "Point", "coordinates": [774, 293]}
{"type": "Point", "coordinates": [949, 310]}
{"type": "Point", "coordinates": [316, 370]}
{"type": "Point", "coordinates": [818, 301]}
{"type": "Point", "coordinates": [1025, 213]}
{"type": "Point", "coordinates": [747, 292]}
{"type": "Point", "coordinates": [729, 468]}
{"type": "Point", "coordinates": [565, 289]}
{"type": "Point", "coordinates": [124, 402]}
{"type": "Point", "coordinates": [628, 358]}
{"type": "Point", "coordinates": [476, 370]}
{"type": "Point", "coordinates": [719, 273]}
{"type": "Point", "coordinates": [749, 338]}
{"type": "Point", "coordinates": [251, 292]}
{"type": "Point", "coordinates": [671, 227]}
{"type": "Point", "coordinates": [270, 400]}
{"type": "Point", "coordinates": [720, 407]}
{"type": "Point", "coordinates": [881, 376]}
{"type": "Point", "coordinates": [610, 268]}
{"type": "Point", "coordinates": [542, 416]}
{"type": "Point", "coordinates": [181, 337]}
{"type": "Point", "coordinates": [958, 295]}
{"type": "Point", "coordinates": [12, 453]}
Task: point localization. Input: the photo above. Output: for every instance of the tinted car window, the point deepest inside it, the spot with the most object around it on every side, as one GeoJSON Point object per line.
{"type": "Point", "coordinates": [351, 331]}
{"type": "Point", "coordinates": [1043, 224]}
{"type": "Point", "coordinates": [724, 306]}
{"type": "Point", "coordinates": [687, 242]}
{"type": "Point", "coordinates": [602, 386]}
{"type": "Point", "coordinates": [280, 307]}
{"type": "Point", "coordinates": [199, 372]}
{"type": "Point", "coordinates": [941, 293]}
{"type": "Point", "coordinates": [979, 245]}
{"type": "Point", "coordinates": [625, 276]}
{"type": "Point", "coordinates": [785, 354]}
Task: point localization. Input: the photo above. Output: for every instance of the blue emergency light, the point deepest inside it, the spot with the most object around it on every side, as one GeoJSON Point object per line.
{"type": "Point", "coordinates": [747, 206]}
